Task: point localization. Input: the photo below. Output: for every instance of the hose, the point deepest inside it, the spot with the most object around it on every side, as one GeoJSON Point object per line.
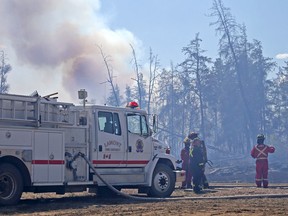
{"type": "Point", "coordinates": [80, 154]}
{"type": "Point", "coordinates": [232, 197]}
{"type": "Point", "coordinates": [113, 188]}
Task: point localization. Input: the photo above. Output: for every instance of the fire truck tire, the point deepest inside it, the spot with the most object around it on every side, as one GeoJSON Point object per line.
{"type": "Point", "coordinates": [163, 182]}
{"type": "Point", "coordinates": [11, 184]}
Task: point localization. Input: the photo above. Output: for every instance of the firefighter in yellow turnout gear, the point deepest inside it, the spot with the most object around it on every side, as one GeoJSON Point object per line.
{"type": "Point", "coordinates": [204, 180]}
{"type": "Point", "coordinates": [196, 164]}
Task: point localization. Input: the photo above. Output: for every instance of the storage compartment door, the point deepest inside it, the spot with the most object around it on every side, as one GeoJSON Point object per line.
{"type": "Point", "coordinates": [56, 157]}
{"type": "Point", "coordinates": [40, 157]}
{"type": "Point", "coordinates": [48, 158]}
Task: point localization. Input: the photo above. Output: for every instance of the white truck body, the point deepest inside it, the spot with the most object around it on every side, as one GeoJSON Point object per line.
{"type": "Point", "coordinates": [40, 139]}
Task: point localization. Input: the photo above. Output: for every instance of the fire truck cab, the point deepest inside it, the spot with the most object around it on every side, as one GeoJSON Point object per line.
{"type": "Point", "coordinates": [41, 138]}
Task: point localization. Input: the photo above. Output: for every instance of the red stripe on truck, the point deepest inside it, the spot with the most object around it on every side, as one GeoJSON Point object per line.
{"type": "Point", "coordinates": [40, 162]}
{"type": "Point", "coordinates": [120, 162]}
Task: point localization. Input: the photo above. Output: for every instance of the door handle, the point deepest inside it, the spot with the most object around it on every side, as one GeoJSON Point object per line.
{"type": "Point", "coordinates": [100, 148]}
{"type": "Point", "coordinates": [130, 148]}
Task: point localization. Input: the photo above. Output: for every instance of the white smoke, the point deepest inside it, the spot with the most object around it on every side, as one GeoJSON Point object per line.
{"type": "Point", "coordinates": [58, 42]}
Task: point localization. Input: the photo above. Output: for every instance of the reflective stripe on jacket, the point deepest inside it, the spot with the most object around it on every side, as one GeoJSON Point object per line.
{"type": "Point", "coordinates": [260, 151]}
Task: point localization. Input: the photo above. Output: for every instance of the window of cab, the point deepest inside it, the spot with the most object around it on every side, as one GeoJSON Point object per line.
{"type": "Point", "coordinates": [108, 122]}
{"type": "Point", "coordinates": [137, 124]}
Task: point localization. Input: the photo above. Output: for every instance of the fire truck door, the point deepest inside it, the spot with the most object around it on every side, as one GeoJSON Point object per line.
{"type": "Point", "coordinates": [140, 147]}
{"type": "Point", "coordinates": [110, 145]}
{"type": "Point", "coordinates": [48, 157]}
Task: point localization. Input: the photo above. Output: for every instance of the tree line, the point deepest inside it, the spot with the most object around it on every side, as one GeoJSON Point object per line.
{"type": "Point", "coordinates": [228, 100]}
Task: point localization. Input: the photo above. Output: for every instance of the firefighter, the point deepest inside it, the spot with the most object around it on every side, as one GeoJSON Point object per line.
{"type": "Point", "coordinates": [196, 164]}
{"type": "Point", "coordinates": [186, 164]}
{"type": "Point", "coordinates": [204, 180]}
{"type": "Point", "coordinates": [260, 153]}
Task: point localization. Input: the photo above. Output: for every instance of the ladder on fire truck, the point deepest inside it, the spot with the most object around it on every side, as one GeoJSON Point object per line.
{"type": "Point", "coordinates": [34, 111]}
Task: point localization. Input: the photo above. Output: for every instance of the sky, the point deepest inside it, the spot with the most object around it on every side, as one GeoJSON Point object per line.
{"type": "Point", "coordinates": [55, 46]}
{"type": "Point", "coordinates": [166, 25]}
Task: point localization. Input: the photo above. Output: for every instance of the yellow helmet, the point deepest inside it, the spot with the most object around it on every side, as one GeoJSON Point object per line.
{"type": "Point", "coordinates": [186, 140]}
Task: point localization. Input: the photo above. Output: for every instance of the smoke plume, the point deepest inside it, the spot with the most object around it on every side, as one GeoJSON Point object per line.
{"type": "Point", "coordinates": [62, 38]}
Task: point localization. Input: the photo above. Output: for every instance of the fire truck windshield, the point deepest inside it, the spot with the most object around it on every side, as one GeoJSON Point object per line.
{"type": "Point", "coordinates": [137, 124]}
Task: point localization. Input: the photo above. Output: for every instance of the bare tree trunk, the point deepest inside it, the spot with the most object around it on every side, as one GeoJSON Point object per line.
{"type": "Point", "coordinates": [224, 22]}
{"type": "Point", "coordinates": [153, 68]}
{"type": "Point", "coordinates": [172, 102]}
{"type": "Point", "coordinates": [110, 76]}
{"type": "Point", "coordinates": [138, 75]}
{"type": "Point", "coordinates": [202, 127]}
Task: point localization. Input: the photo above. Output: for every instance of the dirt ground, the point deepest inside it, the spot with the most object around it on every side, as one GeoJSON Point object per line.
{"type": "Point", "coordinates": [220, 199]}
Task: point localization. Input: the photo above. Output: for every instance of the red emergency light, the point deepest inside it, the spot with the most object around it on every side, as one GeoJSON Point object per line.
{"type": "Point", "coordinates": [132, 104]}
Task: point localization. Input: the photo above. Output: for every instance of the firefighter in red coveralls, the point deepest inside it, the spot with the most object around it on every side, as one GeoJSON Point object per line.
{"type": "Point", "coordinates": [186, 164]}
{"type": "Point", "coordinates": [260, 153]}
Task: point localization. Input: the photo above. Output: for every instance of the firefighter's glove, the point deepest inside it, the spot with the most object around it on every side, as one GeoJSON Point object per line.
{"type": "Point", "coordinates": [201, 164]}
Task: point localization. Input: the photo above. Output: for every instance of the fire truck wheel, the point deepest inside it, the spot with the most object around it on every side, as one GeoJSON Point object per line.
{"type": "Point", "coordinates": [11, 184]}
{"type": "Point", "coordinates": [163, 182]}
